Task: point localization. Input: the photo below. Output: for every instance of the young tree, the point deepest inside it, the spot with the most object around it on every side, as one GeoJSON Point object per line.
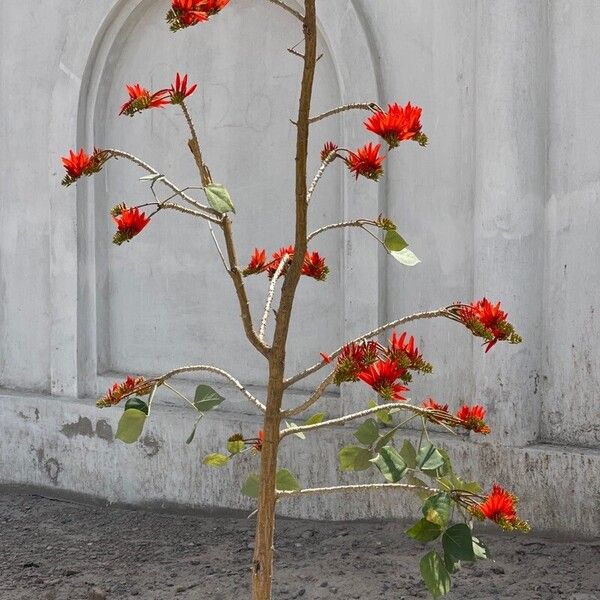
{"type": "Point", "coordinates": [385, 368]}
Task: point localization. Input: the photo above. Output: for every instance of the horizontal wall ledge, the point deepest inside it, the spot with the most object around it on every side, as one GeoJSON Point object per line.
{"type": "Point", "coordinates": [68, 445]}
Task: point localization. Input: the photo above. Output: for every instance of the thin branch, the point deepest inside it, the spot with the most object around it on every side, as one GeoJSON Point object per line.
{"type": "Point", "coordinates": [313, 398]}
{"type": "Point", "coordinates": [273, 284]}
{"type": "Point", "coordinates": [424, 412]}
{"type": "Point", "coordinates": [182, 209]}
{"type": "Point", "coordinates": [432, 314]}
{"type": "Point", "coordinates": [372, 106]}
{"type": "Point", "coordinates": [289, 9]}
{"type": "Point", "coordinates": [315, 181]}
{"type": "Point", "coordinates": [208, 213]}
{"type": "Point", "coordinates": [211, 369]}
{"type": "Point", "coordinates": [238, 282]}
{"type": "Point", "coordinates": [358, 223]}
{"type": "Point", "coordinates": [178, 393]}
{"type": "Point", "coordinates": [355, 488]}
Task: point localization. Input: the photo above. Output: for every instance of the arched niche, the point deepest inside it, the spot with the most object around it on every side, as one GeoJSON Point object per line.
{"type": "Point", "coordinates": [164, 300]}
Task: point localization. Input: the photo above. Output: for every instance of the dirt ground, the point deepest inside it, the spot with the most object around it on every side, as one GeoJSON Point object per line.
{"type": "Point", "coordinates": [62, 550]}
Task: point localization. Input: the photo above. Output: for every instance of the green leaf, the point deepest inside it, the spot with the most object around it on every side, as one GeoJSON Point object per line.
{"type": "Point", "coordinates": [289, 425]}
{"type": "Point", "coordinates": [390, 463]}
{"type": "Point", "coordinates": [285, 481]}
{"type": "Point", "coordinates": [355, 458]}
{"type": "Point", "coordinates": [206, 398]}
{"type": "Point", "coordinates": [446, 468]}
{"type": "Point", "coordinates": [382, 415]}
{"type": "Point", "coordinates": [216, 460]}
{"type": "Point", "coordinates": [131, 425]}
{"type": "Point", "coordinates": [218, 197]}
{"type": "Point", "coordinates": [394, 242]}
{"type": "Point", "coordinates": [137, 403]}
{"type": "Point", "coordinates": [409, 454]}
{"type": "Point", "coordinates": [406, 257]}
{"type": "Point", "coordinates": [235, 446]}
{"type": "Point", "coordinates": [367, 432]}
{"type": "Point", "coordinates": [480, 550]}
{"type": "Point", "coordinates": [429, 459]}
{"type": "Point", "coordinates": [458, 543]}
{"type": "Point", "coordinates": [424, 531]}
{"type": "Point", "coordinates": [435, 575]}
{"type": "Point", "coordinates": [252, 486]}
{"type": "Point", "coordinates": [385, 438]}
{"type": "Point", "coordinates": [316, 418]}
{"type": "Point", "coordinates": [193, 433]}
{"type": "Point", "coordinates": [436, 509]}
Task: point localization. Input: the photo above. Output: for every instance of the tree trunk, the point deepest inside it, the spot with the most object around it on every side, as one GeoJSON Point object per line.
{"type": "Point", "coordinates": [262, 565]}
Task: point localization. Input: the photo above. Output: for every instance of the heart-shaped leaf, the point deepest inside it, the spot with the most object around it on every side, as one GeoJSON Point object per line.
{"type": "Point", "coordinates": [206, 398]}
{"type": "Point", "coordinates": [436, 509]}
{"type": "Point", "coordinates": [218, 197]}
{"type": "Point", "coordinates": [394, 242]}
{"type": "Point", "coordinates": [435, 575]}
{"type": "Point", "coordinates": [285, 481]}
{"type": "Point", "coordinates": [355, 458]}
{"type": "Point", "coordinates": [131, 425]}
{"type": "Point", "coordinates": [252, 486]}
{"type": "Point", "coordinates": [367, 432]}
{"type": "Point", "coordinates": [390, 463]}
{"type": "Point", "coordinates": [458, 543]}
{"type": "Point", "coordinates": [216, 460]}
{"type": "Point", "coordinates": [424, 531]}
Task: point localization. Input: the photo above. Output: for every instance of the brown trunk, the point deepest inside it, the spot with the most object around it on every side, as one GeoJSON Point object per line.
{"type": "Point", "coordinates": [262, 567]}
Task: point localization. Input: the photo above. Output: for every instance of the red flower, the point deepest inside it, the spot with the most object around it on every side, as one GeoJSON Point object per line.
{"type": "Point", "coordinates": [354, 358]}
{"type": "Point", "coordinates": [500, 506]}
{"type": "Point", "coordinates": [432, 404]}
{"type": "Point", "coordinates": [406, 354]}
{"type": "Point", "coordinates": [78, 164]}
{"type": "Point", "coordinates": [473, 418]}
{"type": "Point", "coordinates": [326, 152]}
{"type": "Point", "coordinates": [257, 262]}
{"type": "Point", "coordinates": [140, 99]}
{"type": "Point", "coordinates": [118, 391]}
{"type": "Point", "coordinates": [277, 258]}
{"type": "Point", "coordinates": [314, 266]}
{"type": "Point", "coordinates": [185, 13]}
{"type": "Point", "coordinates": [381, 376]}
{"type": "Point", "coordinates": [366, 162]}
{"type": "Point", "coordinates": [129, 223]}
{"type": "Point", "coordinates": [488, 321]}
{"type": "Point", "coordinates": [179, 91]}
{"type": "Point", "coordinates": [397, 124]}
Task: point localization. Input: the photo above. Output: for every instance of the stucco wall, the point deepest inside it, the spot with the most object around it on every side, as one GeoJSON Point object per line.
{"type": "Point", "coordinates": [503, 202]}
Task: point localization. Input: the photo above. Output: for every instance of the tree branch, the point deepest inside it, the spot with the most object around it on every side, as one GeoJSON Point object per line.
{"type": "Point", "coordinates": [372, 106]}
{"type": "Point", "coordinates": [316, 395]}
{"type": "Point", "coordinates": [271, 293]}
{"type": "Point", "coordinates": [358, 223]}
{"type": "Point", "coordinates": [207, 213]}
{"type": "Point", "coordinates": [211, 369]}
{"type": "Point", "coordinates": [289, 9]}
{"type": "Point", "coordinates": [442, 312]}
{"type": "Point", "coordinates": [417, 410]}
{"type": "Point", "coordinates": [365, 487]}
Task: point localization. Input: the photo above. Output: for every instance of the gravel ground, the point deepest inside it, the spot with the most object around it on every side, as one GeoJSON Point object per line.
{"type": "Point", "coordinates": [59, 550]}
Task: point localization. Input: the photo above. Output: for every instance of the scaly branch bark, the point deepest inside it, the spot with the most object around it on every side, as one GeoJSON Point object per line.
{"type": "Point", "coordinates": [442, 312]}
{"type": "Point", "coordinates": [372, 106]}
{"type": "Point", "coordinates": [361, 487]}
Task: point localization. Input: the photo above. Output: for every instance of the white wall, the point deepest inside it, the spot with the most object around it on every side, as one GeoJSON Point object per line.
{"type": "Point", "coordinates": [503, 202]}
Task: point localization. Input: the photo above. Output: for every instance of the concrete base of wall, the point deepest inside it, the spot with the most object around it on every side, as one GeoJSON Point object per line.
{"type": "Point", "coordinates": [69, 445]}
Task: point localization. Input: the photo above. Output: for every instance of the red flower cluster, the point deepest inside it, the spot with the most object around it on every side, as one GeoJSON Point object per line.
{"type": "Point", "coordinates": [366, 161]}
{"type": "Point", "coordinates": [404, 352]}
{"type": "Point", "coordinates": [129, 222]}
{"type": "Point", "coordinates": [397, 124]}
{"type": "Point", "coordinates": [353, 359]}
{"type": "Point", "coordinates": [140, 99]}
{"type": "Point", "coordinates": [179, 90]}
{"type": "Point", "coordinates": [382, 377]}
{"type": "Point", "coordinates": [473, 418]}
{"type": "Point", "coordinates": [259, 441]}
{"type": "Point", "coordinates": [379, 366]}
{"type": "Point", "coordinates": [327, 153]}
{"type": "Point", "coordinates": [314, 264]}
{"type": "Point", "coordinates": [433, 405]}
{"type": "Point", "coordinates": [500, 506]}
{"type": "Point", "coordinates": [80, 163]}
{"type": "Point", "coordinates": [185, 13]}
{"type": "Point", "coordinates": [488, 321]}
{"type": "Point", "coordinates": [118, 391]}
